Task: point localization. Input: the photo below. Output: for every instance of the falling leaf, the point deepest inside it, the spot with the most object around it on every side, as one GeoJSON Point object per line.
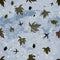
{"type": "Point", "coordinates": [19, 9]}
{"type": "Point", "coordinates": [30, 1]}
{"type": "Point", "coordinates": [11, 29]}
{"type": "Point", "coordinates": [1, 33]}
{"type": "Point", "coordinates": [20, 23]}
{"type": "Point", "coordinates": [33, 46]}
{"type": "Point", "coordinates": [57, 59]}
{"type": "Point", "coordinates": [51, 3]}
{"type": "Point", "coordinates": [30, 7]}
{"type": "Point", "coordinates": [34, 27]}
{"type": "Point", "coordinates": [2, 58]}
{"type": "Point", "coordinates": [58, 1]}
{"type": "Point", "coordinates": [16, 51]}
{"type": "Point", "coordinates": [2, 2]}
{"type": "Point", "coordinates": [6, 16]}
{"type": "Point", "coordinates": [12, 2]}
{"type": "Point", "coordinates": [45, 13]}
{"type": "Point", "coordinates": [46, 35]}
{"type": "Point", "coordinates": [21, 40]}
{"type": "Point", "coordinates": [31, 57]}
{"type": "Point", "coordinates": [5, 48]}
{"type": "Point", "coordinates": [58, 34]}
{"type": "Point", "coordinates": [46, 50]}
{"type": "Point", "coordinates": [54, 22]}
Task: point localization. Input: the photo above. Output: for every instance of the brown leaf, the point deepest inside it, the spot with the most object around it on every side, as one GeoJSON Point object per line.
{"type": "Point", "coordinates": [31, 57]}
{"type": "Point", "coordinates": [1, 33]}
{"type": "Point", "coordinates": [58, 1]}
{"type": "Point", "coordinates": [19, 9]}
{"type": "Point", "coordinates": [11, 29]}
{"type": "Point", "coordinates": [6, 16]}
{"type": "Point", "coordinates": [30, 1]}
{"type": "Point", "coordinates": [21, 40]}
{"type": "Point", "coordinates": [46, 50]}
{"type": "Point", "coordinates": [54, 22]}
{"type": "Point", "coordinates": [2, 58]}
{"type": "Point", "coordinates": [2, 2]}
{"type": "Point", "coordinates": [12, 2]}
{"type": "Point", "coordinates": [34, 27]}
{"type": "Point", "coordinates": [45, 13]}
{"type": "Point", "coordinates": [57, 59]}
{"type": "Point", "coordinates": [58, 34]}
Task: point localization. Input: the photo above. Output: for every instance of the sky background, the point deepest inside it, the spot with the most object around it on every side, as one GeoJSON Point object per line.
{"type": "Point", "coordinates": [11, 38]}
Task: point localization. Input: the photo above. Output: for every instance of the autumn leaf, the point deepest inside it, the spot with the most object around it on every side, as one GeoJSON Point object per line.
{"type": "Point", "coordinates": [57, 59]}
{"type": "Point", "coordinates": [11, 29]}
{"type": "Point", "coordinates": [54, 22]}
{"type": "Point", "coordinates": [16, 51]}
{"type": "Point", "coordinates": [30, 1]}
{"type": "Point", "coordinates": [12, 2]}
{"type": "Point", "coordinates": [2, 58]}
{"type": "Point", "coordinates": [45, 13]}
{"type": "Point", "coordinates": [6, 16]}
{"type": "Point", "coordinates": [46, 50]}
{"type": "Point", "coordinates": [31, 57]}
{"type": "Point", "coordinates": [2, 2]}
{"type": "Point", "coordinates": [21, 40]}
{"type": "Point", "coordinates": [19, 9]}
{"type": "Point", "coordinates": [58, 1]}
{"type": "Point", "coordinates": [58, 34]}
{"type": "Point", "coordinates": [5, 48]}
{"type": "Point", "coordinates": [34, 27]}
{"type": "Point", "coordinates": [1, 33]}
{"type": "Point", "coordinates": [20, 23]}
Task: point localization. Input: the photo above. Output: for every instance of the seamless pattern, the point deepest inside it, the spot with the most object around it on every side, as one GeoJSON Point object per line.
{"type": "Point", "coordinates": [29, 29]}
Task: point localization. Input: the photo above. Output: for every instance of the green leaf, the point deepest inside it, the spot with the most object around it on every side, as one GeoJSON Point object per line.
{"type": "Point", "coordinates": [34, 27]}
{"type": "Point", "coordinates": [2, 58]}
{"type": "Point", "coordinates": [21, 40]}
{"type": "Point", "coordinates": [11, 29]}
{"type": "Point", "coordinates": [1, 33]}
{"type": "Point", "coordinates": [54, 22]}
{"type": "Point", "coordinates": [19, 10]}
{"type": "Point", "coordinates": [30, 1]}
{"type": "Point", "coordinates": [31, 57]}
{"type": "Point", "coordinates": [2, 2]}
{"type": "Point", "coordinates": [45, 13]}
{"type": "Point", "coordinates": [46, 50]}
{"type": "Point", "coordinates": [58, 1]}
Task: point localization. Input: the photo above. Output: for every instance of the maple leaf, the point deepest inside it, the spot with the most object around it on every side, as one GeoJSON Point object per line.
{"type": "Point", "coordinates": [31, 57]}
{"type": "Point", "coordinates": [30, 1]}
{"type": "Point", "coordinates": [21, 40]}
{"type": "Point", "coordinates": [54, 22]}
{"type": "Point", "coordinates": [1, 33]}
{"type": "Point", "coordinates": [11, 29]}
{"type": "Point", "coordinates": [45, 13]}
{"type": "Point", "coordinates": [34, 27]}
{"type": "Point", "coordinates": [58, 34]}
{"type": "Point", "coordinates": [46, 50]}
{"type": "Point", "coordinates": [2, 2]}
{"type": "Point", "coordinates": [58, 1]}
{"type": "Point", "coordinates": [2, 58]}
{"type": "Point", "coordinates": [19, 9]}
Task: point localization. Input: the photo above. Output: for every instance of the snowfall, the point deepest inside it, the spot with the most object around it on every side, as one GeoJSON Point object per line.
{"type": "Point", "coordinates": [11, 38]}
